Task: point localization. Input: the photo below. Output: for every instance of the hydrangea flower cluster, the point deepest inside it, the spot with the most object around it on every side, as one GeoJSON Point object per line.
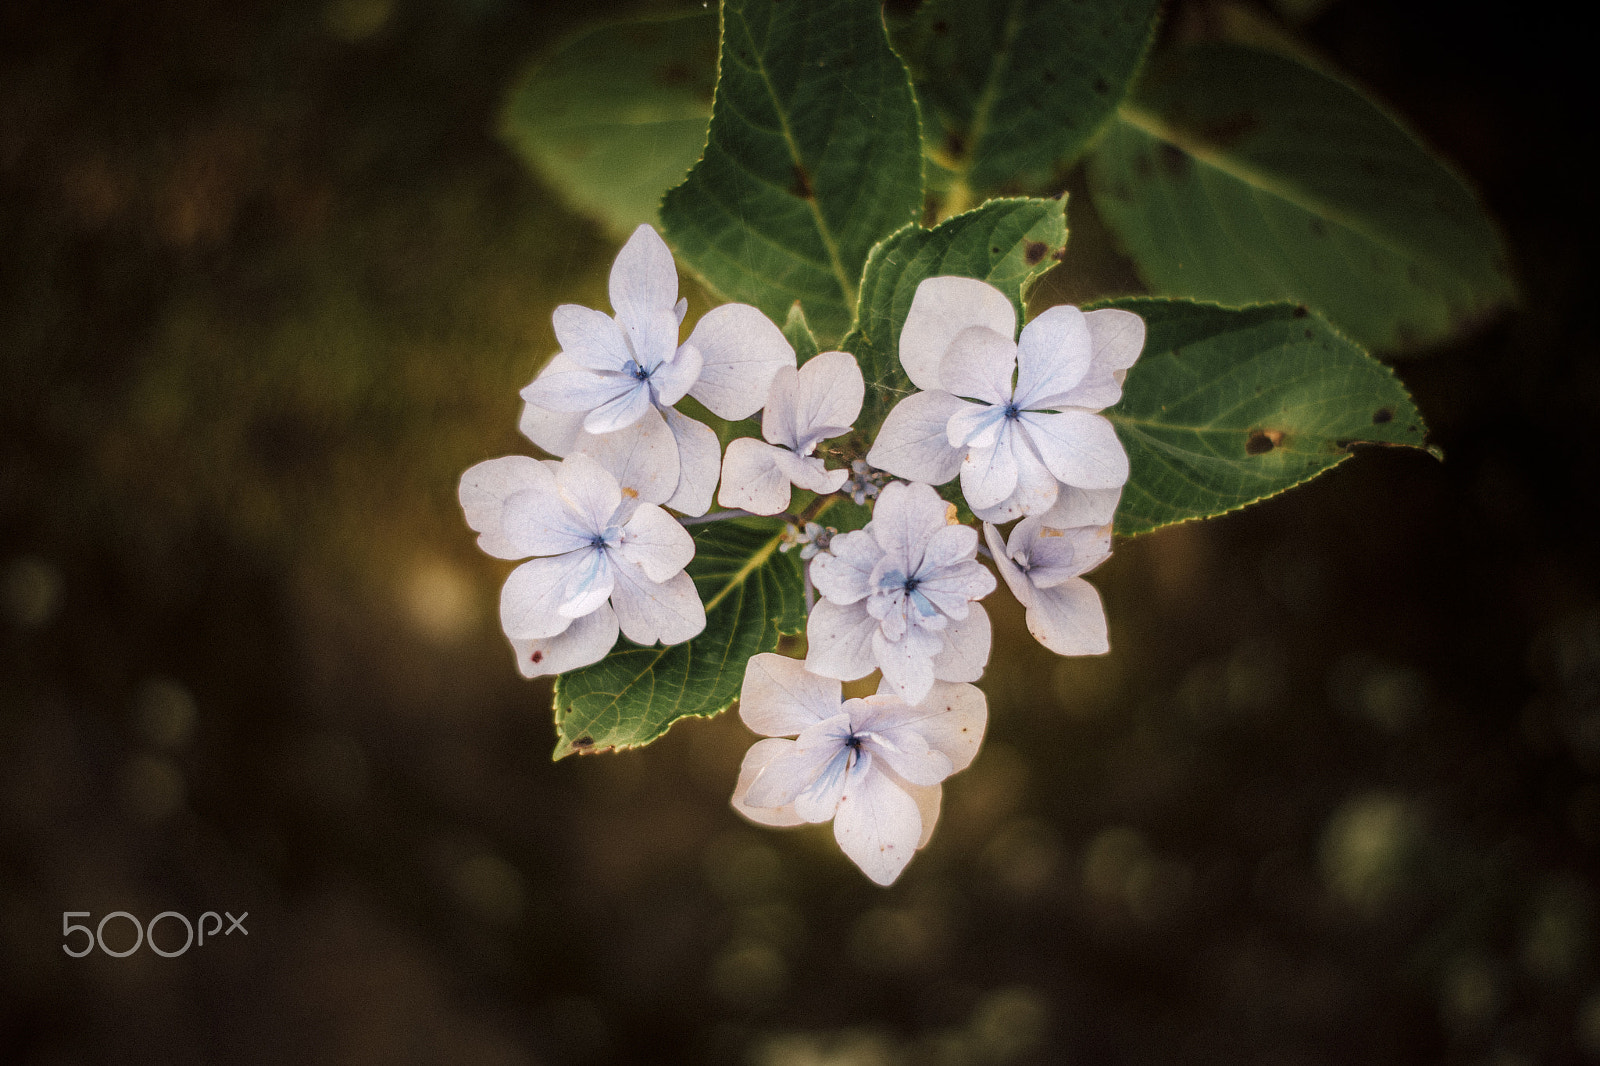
{"type": "Point", "coordinates": [1017, 420]}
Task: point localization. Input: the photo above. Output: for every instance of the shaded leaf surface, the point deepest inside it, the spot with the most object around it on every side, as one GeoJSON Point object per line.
{"type": "Point", "coordinates": [752, 593]}
{"type": "Point", "coordinates": [1013, 90]}
{"type": "Point", "coordinates": [1007, 243]}
{"type": "Point", "coordinates": [1227, 407]}
{"type": "Point", "coordinates": [1242, 176]}
{"type": "Point", "coordinates": [617, 115]}
{"type": "Point", "coordinates": [814, 155]}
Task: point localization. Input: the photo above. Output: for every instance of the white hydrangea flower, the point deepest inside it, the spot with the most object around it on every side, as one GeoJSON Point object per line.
{"type": "Point", "coordinates": [623, 375]}
{"type": "Point", "coordinates": [898, 595]}
{"type": "Point", "coordinates": [1043, 567]}
{"type": "Point", "coordinates": [873, 765]}
{"type": "Point", "coordinates": [804, 408]}
{"type": "Point", "coordinates": [604, 560]}
{"type": "Point", "coordinates": [1016, 419]}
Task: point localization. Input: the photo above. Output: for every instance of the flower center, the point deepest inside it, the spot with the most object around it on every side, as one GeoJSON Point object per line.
{"type": "Point", "coordinates": [1011, 411]}
{"type": "Point", "coordinates": [639, 373]}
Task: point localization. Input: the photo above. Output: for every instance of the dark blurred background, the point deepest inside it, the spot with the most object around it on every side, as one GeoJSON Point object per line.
{"type": "Point", "coordinates": [269, 283]}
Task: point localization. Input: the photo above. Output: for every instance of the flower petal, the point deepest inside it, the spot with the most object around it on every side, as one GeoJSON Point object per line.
{"type": "Point", "coordinates": [591, 338]}
{"type": "Point", "coordinates": [751, 478]}
{"type": "Point", "coordinates": [780, 697]}
{"type": "Point", "coordinates": [1069, 619]}
{"type": "Point", "coordinates": [809, 778]}
{"type": "Point", "coordinates": [952, 718]}
{"type": "Point", "coordinates": [673, 378]}
{"type": "Point", "coordinates": [906, 663]}
{"type": "Point", "coordinates": [913, 441]}
{"type": "Point", "coordinates": [905, 518]}
{"type": "Point", "coordinates": [942, 308]}
{"type": "Point", "coordinates": [778, 421]}
{"type": "Point", "coordinates": [566, 386]}
{"type": "Point", "coordinates": [1083, 507]}
{"type": "Point", "coordinates": [1080, 448]}
{"type": "Point", "coordinates": [1054, 555]}
{"type": "Point", "coordinates": [877, 825]}
{"type": "Point", "coordinates": [1015, 579]}
{"type": "Point", "coordinates": [643, 458]}
{"type": "Point", "coordinates": [975, 426]}
{"type": "Point", "coordinates": [742, 350]}
{"type": "Point", "coordinates": [840, 640]}
{"type": "Point", "coordinates": [989, 475]}
{"type": "Point", "coordinates": [483, 492]}
{"type": "Point", "coordinates": [540, 522]}
{"type": "Point", "coordinates": [699, 463]}
{"type": "Point", "coordinates": [585, 641]}
{"type": "Point", "coordinates": [1117, 338]}
{"type": "Point", "coordinates": [643, 280]}
{"type": "Point", "coordinates": [530, 601]}
{"type": "Point", "coordinates": [590, 491]}
{"type": "Point", "coordinates": [966, 647]}
{"type": "Point", "coordinates": [901, 748]}
{"type": "Point", "coordinates": [669, 611]}
{"type": "Point", "coordinates": [761, 753]}
{"type": "Point", "coordinates": [809, 472]}
{"type": "Point", "coordinates": [843, 573]}
{"type": "Point", "coordinates": [655, 542]}
{"type": "Point", "coordinates": [1052, 356]}
{"type": "Point", "coordinates": [1037, 488]}
{"type": "Point", "coordinates": [979, 364]}
{"type": "Point", "coordinates": [621, 411]}
{"type": "Point", "coordinates": [554, 431]}
{"type": "Point", "coordinates": [827, 400]}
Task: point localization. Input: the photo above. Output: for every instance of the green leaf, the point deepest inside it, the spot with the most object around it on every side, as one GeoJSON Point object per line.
{"type": "Point", "coordinates": [1007, 243]}
{"type": "Point", "coordinates": [615, 116]}
{"type": "Point", "coordinates": [798, 333]}
{"type": "Point", "coordinates": [752, 593]}
{"type": "Point", "coordinates": [814, 155]}
{"type": "Point", "coordinates": [1227, 407]}
{"type": "Point", "coordinates": [1242, 176]}
{"type": "Point", "coordinates": [1014, 90]}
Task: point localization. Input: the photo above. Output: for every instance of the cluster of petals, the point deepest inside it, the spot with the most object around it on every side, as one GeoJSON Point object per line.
{"type": "Point", "coordinates": [898, 596]}
{"type": "Point", "coordinates": [872, 765]}
{"type": "Point", "coordinates": [622, 375]}
{"type": "Point", "coordinates": [804, 408]}
{"type": "Point", "coordinates": [1016, 419]}
{"type": "Point", "coordinates": [603, 559]}
{"type": "Point", "coordinates": [1044, 568]}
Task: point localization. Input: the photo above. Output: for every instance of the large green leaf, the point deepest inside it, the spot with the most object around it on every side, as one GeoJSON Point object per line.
{"type": "Point", "coordinates": [1007, 243]}
{"type": "Point", "coordinates": [752, 593]}
{"type": "Point", "coordinates": [1240, 176]}
{"type": "Point", "coordinates": [814, 155]}
{"type": "Point", "coordinates": [1226, 407]}
{"type": "Point", "coordinates": [615, 116]}
{"type": "Point", "coordinates": [1013, 90]}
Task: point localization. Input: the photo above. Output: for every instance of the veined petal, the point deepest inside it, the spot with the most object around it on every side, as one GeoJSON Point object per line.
{"type": "Point", "coordinates": [751, 478]}
{"type": "Point", "coordinates": [1083, 507]}
{"type": "Point", "coordinates": [643, 458]}
{"type": "Point", "coordinates": [827, 399]}
{"type": "Point", "coordinates": [953, 588]}
{"type": "Point", "coordinates": [585, 641]}
{"type": "Point", "coordinates": [913, 441]}
{"type": "Point", "coordinates": [699, 463]}
{"type": "Point", "coordinates": [669, 611]}
{"type": "Point", "coordinates": [808, 472]}
{"type": "Point", "coordinates": [1116, 338]}
{"type": "Point", "coordinates": [539, 521]}
{"type": "Point", "coordinates": [655, 542]}
{"type": "Point", "coordinates": [653, 337]}
{"type": "Point", "coordinates": [672, 379]}
{"type": "Point", "coordinates": [975, 426]}
{"type": "Point", "coordinates": [1052, 356]}
{"type": "Point", "coordinates": [531, 599]}
{"type": "Point", "coordinates": [942, 308]}
{"type": "Point", "coordinates": [1037, 488]}
{"type": "Point", "coordinates": [947, 547]}
{"type": "Point", "coordinates": [843, 573]}
{"type": "Point", "coordinates": [840, 640]}
{"type": "Point", "coordinates": [903, 749]}
{"type": "Point", "coordinates": [906, 663]}
{"type": "Point", "coordinates": [1015, 579]}
{"type": "Point", "coordinates": [591, 338]}
{"type": "Point", "coordinates": [1069, 618]}
{"type": "Point", "coordinates": [877, 825]}
{"type": "Point", "coordinates": [905, 518]}
{"type": "Point", "coordinates": [643, 279]}
{"type": "Point", "coordinates": [778, 422]}
{"type": "Point", "coordinates": [590, 491]}
{"type": "Point", "coordinates": [621, 411]}
{"type": "Point", "coordinates": [780, 697]}
{"type": "Point", "coordinates": [1054, 555]}
{"type": "Point", "coordinates": [1080, 448]}
{"type": "Point", "coordinates": [484, 490]}
{"type": "Point", "coordinates": [588, 585]}
{"type": "Point", "coordinates": [566, 386]}
{"type": "Point", "coordinates": [808, 778]}
{"type": "Point", "coordinates": [966, 647]}
{"type": "Point", "coordinates": [761, 753]}
{"type": "Point", "coordinates": [742, 350]}
{"type": "Point", "coordinates": [951, 717]}
{"type": "Point", "coordinates": [988, 475]}
{"type": "Point", "coordinates": [979, 364]}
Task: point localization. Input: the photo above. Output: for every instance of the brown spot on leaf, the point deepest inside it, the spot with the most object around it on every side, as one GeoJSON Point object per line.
{"type": "Point", "coordinates": [801, 186]}
{"type": "Point", "coordinates": [1262, 441]}
{"type": "Point", "coordinates": [1227, 131]}
{"type": "Point", "coordinates": [1173, 161]}
{"type": "Point", "coordinates": [1382, 415]}
{"type": "Point", "coordinates": [1301, 312]}
{"type": "Point", "coordinates": [1101, 86]}
{"type": "Point", "coordinates": [583, 742]}
{"type": "Point", "coordinates": [1035, 251]}
{"type": "Point", "coordinates": [954, 143]}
